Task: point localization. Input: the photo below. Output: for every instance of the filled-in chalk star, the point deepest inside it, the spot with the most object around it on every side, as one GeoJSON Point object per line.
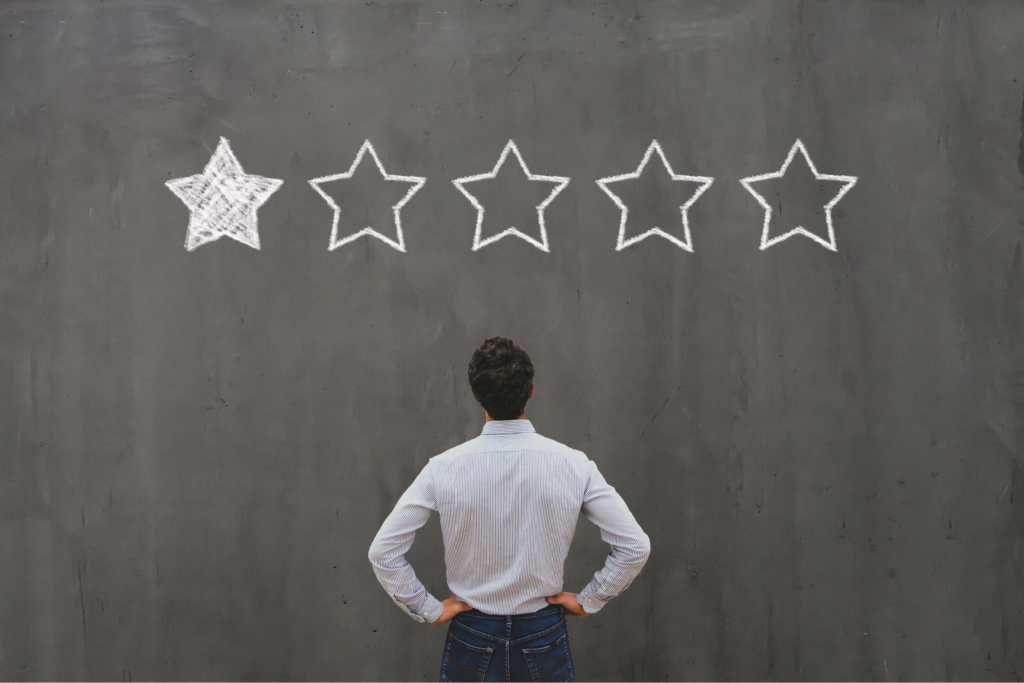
{"type": "Point", "coordinates": [222, 200]}
{"type": "Point", "coordinates": [559, 185]}
{"type": "Point", "coordinates": [847, 182]}
{"type": "Point", "coordinates": [702, 182]}
{"type": "Point", "coordinates": [415, 183]}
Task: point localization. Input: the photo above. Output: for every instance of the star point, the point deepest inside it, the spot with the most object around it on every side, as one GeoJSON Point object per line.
{"type": "Point", "coordinates": [687, 242]}
{"type": "Point", "coordinates": [848, 182]}
{"type": "Point", "coordinates": [223, 200]}
{"type": "Point", "coordinates": [415, 181]}
{"type": "Point", "coordinates": [560, 184]}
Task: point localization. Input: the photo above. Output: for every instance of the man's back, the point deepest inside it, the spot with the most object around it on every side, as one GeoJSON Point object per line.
{"type": "Point", "coordinates": [508, 502]}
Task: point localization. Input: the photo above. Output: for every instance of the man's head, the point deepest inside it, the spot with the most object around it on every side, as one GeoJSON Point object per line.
{"type": "Point", "coordinates": [501, 377]}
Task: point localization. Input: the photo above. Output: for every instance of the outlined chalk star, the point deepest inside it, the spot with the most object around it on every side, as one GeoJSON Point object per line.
{"type": "Point", "coordinates": [559, 182]}
{"type": "Point", "coordinates": [847, 180]}
{"type": "Point", "coordinates": [703, 182]}
{"type": "Point", "coordinates": [222, 200]}
{"type": "Point", "coordinates": [415, 181]}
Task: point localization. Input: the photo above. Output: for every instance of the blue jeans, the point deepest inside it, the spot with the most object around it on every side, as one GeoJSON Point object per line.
{"type": "Point", "coordinates": [523, 647]}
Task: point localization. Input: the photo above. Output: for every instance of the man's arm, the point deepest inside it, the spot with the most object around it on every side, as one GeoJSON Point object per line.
{"type": "Point", "coordinates": [387, 552]}
{"type": "Point", "coordinates": [603, 506]}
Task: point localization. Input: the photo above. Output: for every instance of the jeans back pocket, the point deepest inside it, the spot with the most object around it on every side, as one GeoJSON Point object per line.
{"type": "Point", "coordinates": [551, 662]}
{"type": "Point", "coordinates": [464, 662]}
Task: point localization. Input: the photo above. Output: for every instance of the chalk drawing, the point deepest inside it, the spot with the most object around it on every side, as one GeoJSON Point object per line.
{"type": "Point", "coordinates": [685, 243]}
{"type": "Point", "coordinates": [830, 243]}
{"type": "Point", "coordinates": [415, 181]}
{"type": "Point", "coordinates": [222, 200]}
{"type": "Point", "coordinates": [560, 184]}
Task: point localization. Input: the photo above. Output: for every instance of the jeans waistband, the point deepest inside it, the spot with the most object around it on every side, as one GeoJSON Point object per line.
{"type": "Point", "coordinates": [550, 609]}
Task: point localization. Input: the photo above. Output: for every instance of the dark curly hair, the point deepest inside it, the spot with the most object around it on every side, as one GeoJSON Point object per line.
{"type": "Point", "coordinates": [501, 377]}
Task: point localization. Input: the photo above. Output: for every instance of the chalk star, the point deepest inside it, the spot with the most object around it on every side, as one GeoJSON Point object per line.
{"type": "Point", "coordinates": [847, 180]}
{"type": "Point", "coordinates": [415, 181]}
{"type": "Point", "coordinates": [558, 181]}
{"type": "Point", "coordinates": [703, 182]}
{"type": "Point", "coordinates": [222, 200]}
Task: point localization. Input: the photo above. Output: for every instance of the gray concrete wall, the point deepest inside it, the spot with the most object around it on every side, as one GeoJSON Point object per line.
{"type": "Point", "coordinates": [196, 448]}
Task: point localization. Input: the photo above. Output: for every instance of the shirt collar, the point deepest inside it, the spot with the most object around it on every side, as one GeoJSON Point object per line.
{"type": "Point", "coordinates": [508, 427]}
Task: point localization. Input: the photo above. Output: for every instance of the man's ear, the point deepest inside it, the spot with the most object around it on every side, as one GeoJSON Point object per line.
{"type": "Point", "coordinates": [478, 400]}
{"type": "Point", "coordinates": [531, 391]}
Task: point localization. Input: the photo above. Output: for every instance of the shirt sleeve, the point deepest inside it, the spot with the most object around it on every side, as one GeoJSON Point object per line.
{"type": "Point", "coordinates": [631, 547]}
{"type": "Point", "coordinates": [387, 552]}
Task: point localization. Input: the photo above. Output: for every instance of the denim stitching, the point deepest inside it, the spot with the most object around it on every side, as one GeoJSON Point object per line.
{"type": "Point", "coordinates": [534, 673]}
{"type": "Point", "coordinates": [481, 672]}
{"type": "Point", "coordinates": [530, 666]}
{"type": "Point", "coordinates": [572, 673]}
{"type": "Point", "coordinates": [547, 648]}
{"type": "Point", "coordinates": [444, 661]}
{"type": "Point", "coordinates": [540, 633]}
{"type": "Point", "coordinates": [481, 634]}
{"type": "Point", "coordinates": [508, 648]}
{"type": "Point", "coordinates": [472, 648]}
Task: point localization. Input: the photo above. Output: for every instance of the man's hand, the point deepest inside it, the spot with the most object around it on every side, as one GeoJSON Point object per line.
{"type": "Point", "coordinates": [452, 606]}
{"type": "Point", "coordinates": [569, 602]}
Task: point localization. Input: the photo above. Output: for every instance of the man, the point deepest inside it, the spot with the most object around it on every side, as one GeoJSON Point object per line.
{"type": "Point", "coordinates": [509, 500]}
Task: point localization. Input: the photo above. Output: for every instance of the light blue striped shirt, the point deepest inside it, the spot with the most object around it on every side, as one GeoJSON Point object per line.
{"type": "Point", "coordinates": [509, 500]}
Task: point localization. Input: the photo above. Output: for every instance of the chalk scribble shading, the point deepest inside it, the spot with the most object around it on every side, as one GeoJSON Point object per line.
{"type": "Point", "coordinates": [685, 243]}
{"type": "Point", "coordinates": [415, 181]}
{"type": "Point", "coordinates": [848, 180]}
{"type": "Point", "coordinates": [559, 182]}
{"type": "Point", "coordinates": [222, 200]}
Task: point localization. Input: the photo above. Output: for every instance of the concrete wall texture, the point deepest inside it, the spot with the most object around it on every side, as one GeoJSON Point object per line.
{"type": "Point", "coordinates": [826, 448]}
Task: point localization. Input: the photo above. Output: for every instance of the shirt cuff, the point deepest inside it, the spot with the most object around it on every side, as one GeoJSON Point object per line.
{"type": "Point", "coordinates": [589, 604]}
{"type": "Point", "coordinates": [428, 614]}
{"type": "Point", "coordinates": [432, 609]}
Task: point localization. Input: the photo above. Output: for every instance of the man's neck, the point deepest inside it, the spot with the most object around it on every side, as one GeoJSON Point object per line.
{"type": "Point", "coordinates": [488, 418]}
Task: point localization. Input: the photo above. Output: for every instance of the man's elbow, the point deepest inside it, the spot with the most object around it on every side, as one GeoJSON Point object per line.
{"type": "Point", "coordinates": [642, 550]}
{"type": "Point", "coordinates": [633, 553]}
{"type": "Point", "coordinates": [376, 554]}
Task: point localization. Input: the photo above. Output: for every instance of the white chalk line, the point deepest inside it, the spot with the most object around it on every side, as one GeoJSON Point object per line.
{"type": "Point", "coordinates": [561, 183]}
{"type": "Point", "coordinates": [687, 241]}
{"type": "Point", "coordinates": [799, 230]}
{"type": "Point", "coordinates": [416, 181]}
{"type": "Point", "coordinates": [223, 200]}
